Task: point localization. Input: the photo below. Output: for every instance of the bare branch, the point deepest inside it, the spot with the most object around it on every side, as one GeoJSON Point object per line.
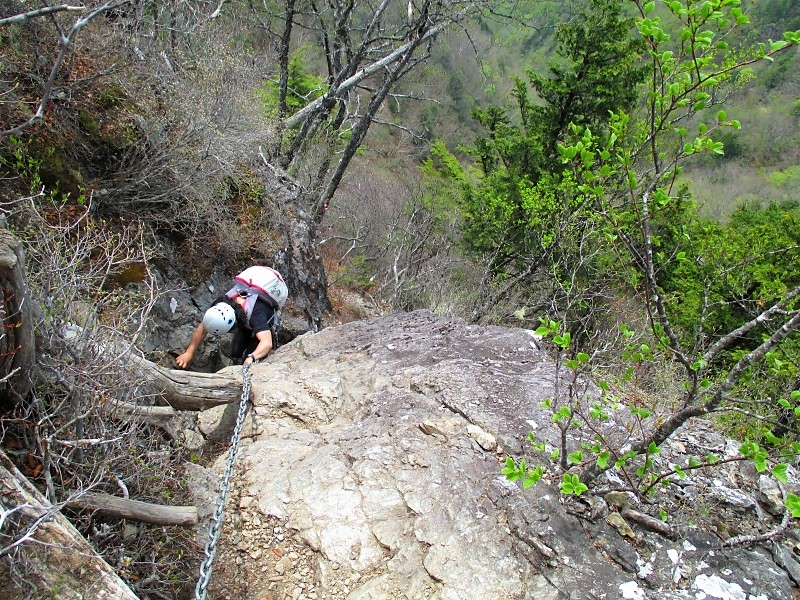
{"type": "Point", "coordinates": [40, 13]}
{"type": "Point", "coordinates": [760, 320]}
{"type": "Point", "coordinates": [365, 72]}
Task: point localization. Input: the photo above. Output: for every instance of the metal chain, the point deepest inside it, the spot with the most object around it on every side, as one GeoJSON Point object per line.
{"type": "Point", "coordinates": [215, 527]}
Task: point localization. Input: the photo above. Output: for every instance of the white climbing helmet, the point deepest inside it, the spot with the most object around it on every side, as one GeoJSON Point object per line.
{"type": "Point", "coordinates": [219, 318]}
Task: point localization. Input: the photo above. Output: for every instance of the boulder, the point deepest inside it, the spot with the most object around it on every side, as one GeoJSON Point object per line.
{"type": "Point", "coordinates": [371, 468]}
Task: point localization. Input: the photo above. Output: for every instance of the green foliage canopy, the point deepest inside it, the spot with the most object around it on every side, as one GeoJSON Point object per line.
{"type": "Point", "coordinates": [513, 209]}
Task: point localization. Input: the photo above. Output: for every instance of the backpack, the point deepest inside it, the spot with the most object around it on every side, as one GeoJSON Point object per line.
{"type": "Point", "coordinates": [265, 283]}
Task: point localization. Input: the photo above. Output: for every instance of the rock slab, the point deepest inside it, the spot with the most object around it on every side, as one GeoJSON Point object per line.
{"type": "Point", "coordinates": [379, 444]}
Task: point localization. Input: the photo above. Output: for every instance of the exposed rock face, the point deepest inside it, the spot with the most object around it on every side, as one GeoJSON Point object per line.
{"type": "Point", "coordinates": [379, 446]}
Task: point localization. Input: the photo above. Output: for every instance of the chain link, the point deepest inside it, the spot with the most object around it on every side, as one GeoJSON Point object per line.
{"type": "Point", "coordinates": [215, 527]}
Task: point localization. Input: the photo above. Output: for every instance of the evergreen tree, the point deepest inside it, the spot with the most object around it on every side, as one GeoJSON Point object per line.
{"type": "Point", "coordinates": [520, 199]}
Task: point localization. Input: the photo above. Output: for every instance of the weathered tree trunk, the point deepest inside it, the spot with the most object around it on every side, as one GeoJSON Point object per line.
{"type": "Point", "coordinates": [306, 272]}
{"type": "Point", "coordinates": [299, 263]}
{"type": "Point", "coordinates": [56, 557]}
{"type": "Point", "coordinates": [144, 512]}
{"type": "Point", "coordinates": [186, 390]}
{"type": "Point", "coordinates": [17, 346]}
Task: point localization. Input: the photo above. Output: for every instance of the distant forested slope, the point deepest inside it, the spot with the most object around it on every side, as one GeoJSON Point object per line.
{"type": "Point", "coordinates": [761, 163]}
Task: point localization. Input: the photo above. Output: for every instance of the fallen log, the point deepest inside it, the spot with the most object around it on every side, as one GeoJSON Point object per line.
{"type": "Point", "coordinates": [158, 416]}
{"type": "Point", "coordinates": [54, 554]}
{"type": "Point", "coordinates": [186, 390]}
{"type": "Point", "coordinates": [135, 510]}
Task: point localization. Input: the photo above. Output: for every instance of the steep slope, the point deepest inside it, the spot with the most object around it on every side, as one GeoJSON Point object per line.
{"type": "Point", "coordinates": [371, 469]}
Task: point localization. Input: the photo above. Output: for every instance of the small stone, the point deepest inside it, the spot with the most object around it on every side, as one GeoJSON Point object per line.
{"type": "Point", "coordinates": [769, 494]}
{"type": "Point", "coordinates": [733, 497]}
{"type": "Point", "coordinates": [618, 500]}
{"type": "Point", "coordinates": [485, 440]}
{"type": "Point", "coordinates": [615, 520]}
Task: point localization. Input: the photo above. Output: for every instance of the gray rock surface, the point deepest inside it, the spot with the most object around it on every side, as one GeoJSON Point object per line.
{"type": "Point", "coordinates": [370, 469]}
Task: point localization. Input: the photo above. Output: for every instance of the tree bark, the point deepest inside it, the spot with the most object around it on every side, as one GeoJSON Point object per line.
{"type": "Point", "coordinates": [144, 512]}
{"type": "Point", "coordinates": [17, 347]}
{"type": "Point", "coordinates": [186, 390]}
{"type": "Point", "coordinates": [306, 272]}
{"type": "Point", "coordinates": [56, 557]}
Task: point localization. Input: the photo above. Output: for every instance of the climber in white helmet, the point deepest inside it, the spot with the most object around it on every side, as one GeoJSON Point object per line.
{"type": "Point", "coordinates": [252, 334]}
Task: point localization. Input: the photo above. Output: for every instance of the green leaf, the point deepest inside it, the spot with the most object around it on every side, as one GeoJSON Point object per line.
{"type": "Point", "coordinates": [576, 457]}
{"type": "Point", "coordinates": [653, 448]}
{"type": "Point", "coordinates": [622, 460]}
{"type": "Point", "coordinates": [779, 472]}
{"type": "Point", "coordinates": [793, 504]}
{"type": "Point", "coordinates": [602, 459]}
{"type": "Point", "coordinates": [772, 439]}
{"type": "Point", "coordinates": [571, 485]}
{"type": "Point", "coordinates": [510, 470]}
{"type": "Point", "coordinates": [561, 413]}
{"type": "Point", "coordinates": [779, 45]}
{"type": "Point", "coordinates": [533, 477]}
{"type": "Point", "coordinates": [648, 8]}
{"type": "Point", "coordinates": [597, 412]}
{"type": "Point", "coordinates": [698, 364]}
